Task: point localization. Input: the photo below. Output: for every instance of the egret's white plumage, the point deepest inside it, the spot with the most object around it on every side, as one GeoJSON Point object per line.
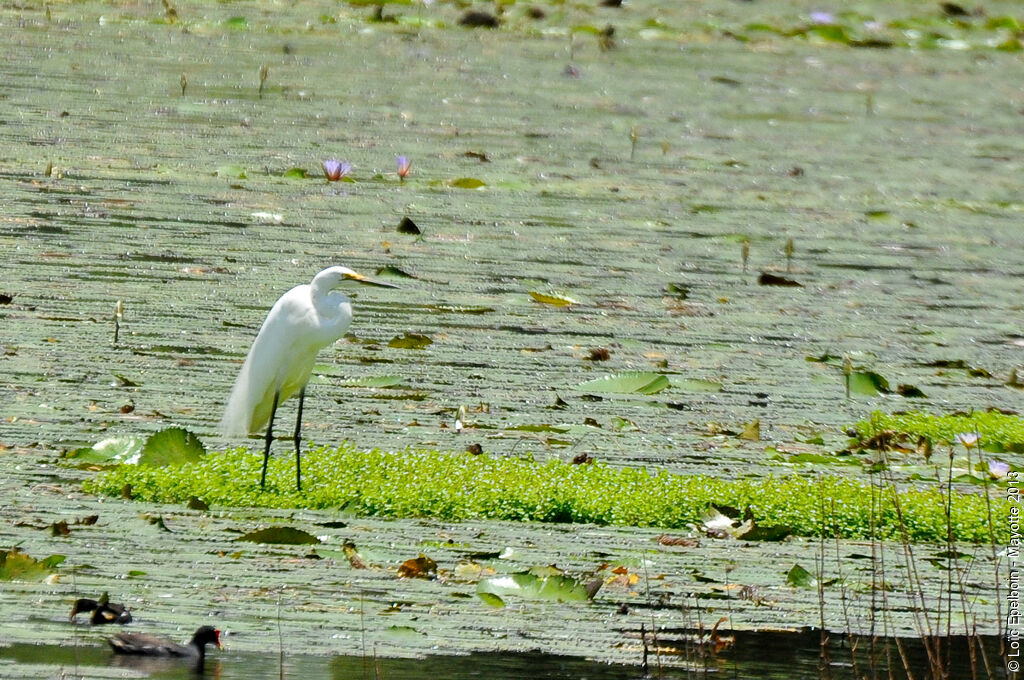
{"type": "Point", "coordinates": [302, 322]}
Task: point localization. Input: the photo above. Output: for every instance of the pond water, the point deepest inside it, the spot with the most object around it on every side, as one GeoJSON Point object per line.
{"type": "Point", "coordinates": [786, 656]}
{"type": "Point", "coordinates": [141, 162]}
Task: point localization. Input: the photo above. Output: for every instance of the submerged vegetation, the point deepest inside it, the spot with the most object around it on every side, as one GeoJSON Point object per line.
{"type": "Point", "coordinates": [459, 486]}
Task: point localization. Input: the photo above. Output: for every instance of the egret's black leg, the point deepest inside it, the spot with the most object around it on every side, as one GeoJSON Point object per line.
{"type": "Point", "coordinates": [298, 440]}
{"type": "Point", "coordinates": [270, 438]}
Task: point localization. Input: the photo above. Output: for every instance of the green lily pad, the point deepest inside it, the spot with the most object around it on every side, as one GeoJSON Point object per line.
{"type": "Point", "coordinates": [410, 341]}
{"type": "Point", "coordinates": [296, 173]}
{"type": "Point", "coordinates": [459, 309]}
{"type": "Point", "coordinates": [373, 381]}
{"type": "Point", "coordinates": [799, 577]}
{"type": "Point", "coordinates": [630, 382]}
{"type": "Point", "coordinates": [110, 451]}
{"type": "Point", "coordinates": [553, 299]}
{"type": "Point", "coordinates": [559, 587]}
{"type": "Point", "coordinates": [17, 566]}
{"type": "Point", "coordinates": [280, 536]}
{"type": "Point", "coordinates": [231, 171]}
{"type": "Point", "coordinates": [868, 383]}
{"type": "Point", "coordinates": [467, 183]}
{"type": "Point", "coordinates": [172, 446]}
{"type": "Point", "coordinates": [697, 385]}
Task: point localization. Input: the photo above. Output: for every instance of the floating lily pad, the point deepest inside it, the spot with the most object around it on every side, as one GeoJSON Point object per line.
{"type": "Point", "coordinates": [467, 183]}
{"type": "Point", "coordinates": [561, 429]}
{"type": "Point", "coordinates": [868, 383]}
{"type": "Point", "coordinates": [110, 451]}
{"type": "Point", "coordinates": [553, 299]}
{"type": "Point", "coordinates": [296, 173]}
{"type": "Point", "coordinates": [459, 309]}
{"type": "Point", "coordinates": [559, 587]}
{"type": "Point", "coordinates": [697, 385]}
{"type": "Point", "coordinates": [172, 446]}
{"type": "Point", "coordinates": [799, 577]}
{"type": "Point", "coordinates": [17, 566]}
{"type": "Point", "coordinates": [407, 226]}
{"type": "Point", "coordinates": [280, 536]}
{"type": "Point", "coordinates": [766, 279]}
{"type": "Point", "coordinates": [623, 425]}
{"type": "Point", "coordinates": [631, 382]}
{"type": "Point", "coordinates": [231, 171]}
{"type": "Point", "coordinates": [410, 341]}
{"type": "Point", "coordinates": [394, 271]}
{"type": "Point", "coordinates": [373, 381]}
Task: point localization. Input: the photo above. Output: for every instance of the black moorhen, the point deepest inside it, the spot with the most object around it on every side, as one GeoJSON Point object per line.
{"type": "Point", "coordinates": [140, 644]}
{"type": "Point", "coordinates": [103, 611]}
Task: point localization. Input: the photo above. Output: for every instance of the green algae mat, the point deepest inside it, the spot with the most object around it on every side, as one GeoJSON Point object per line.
{"type": "Point", "coordinates": [646, 236]}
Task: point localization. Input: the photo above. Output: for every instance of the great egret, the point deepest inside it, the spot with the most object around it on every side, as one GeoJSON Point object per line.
{"type": "Point", "coordinates": [302, 322]}
{"type": "Point", "coordinates": [141, 644]}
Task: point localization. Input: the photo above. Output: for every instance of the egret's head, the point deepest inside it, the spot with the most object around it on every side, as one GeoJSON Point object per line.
{"type": "Point", "coordinates": [336, 277]}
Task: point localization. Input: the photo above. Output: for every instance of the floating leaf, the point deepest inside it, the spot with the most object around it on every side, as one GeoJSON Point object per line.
{"type": "Point", "coordinates": [281, 536]}
{"type": "Point", "coordinates": [678, 290]}
{"type": "Point", "coordinates": [766, 279]}
{"type": "Point", "coordinates": [373, 381]}
{"type": "Point", "coordinates": [121, 381]}
{"type": "Point", "coordinates": [560, 429]}
{"type": "Point", "coordinates": [410, 341]}
{"type": "Point", "coordinates": [459, 309]}
{"type": "Point", "coordinates": [530, 586]}
{"type": "Point", "coordinates": [407, 226]}
{"type": "Point", "coordinates": [467, 183]}
{"type": "Point", "coordinates": [296, 173]}
{"type": "Point", "coordinates": [394, 271]}
{"type": "Point", "coordinates": [110, 451]}
{"type": "Point", "coordinates": [630, 382]}
{"type": "Point", "coordinates": [172, 446]}
{"type": "Point", "coordinates": [623, 425]}
{"type": "Point", "coordinates": [402, 632]}
{"type": "Point", "coordinates": [799, 577]}
{"type": "Point", "coordinates": [752, 431]}
{"type": "Point", "coordinates": [236, 22]}
{"type": "Point", "coordinates": [910, 392]}
{"type": "Point", "coordinates": [697, 385]}
{"type": "Point", "coordinates": [553, 299]}
{"type": "Point", "coordinates": [231, 171]}
{"type": "Point", "coordinates": [418, 567]}
{"type": "Point", "coordinates": [867, 383]}
{"type": "Point", "coordinates": [17, 566]}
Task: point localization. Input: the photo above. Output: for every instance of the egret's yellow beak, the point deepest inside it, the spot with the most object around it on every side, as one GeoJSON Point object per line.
{"type": "Point", "coordinates": [359, 278]}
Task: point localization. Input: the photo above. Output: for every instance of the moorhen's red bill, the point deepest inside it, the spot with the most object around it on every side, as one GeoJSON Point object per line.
{"type": "Point", "coordinates": [102, 610]}
{"type": "Point", "coordinates": [141, 644]}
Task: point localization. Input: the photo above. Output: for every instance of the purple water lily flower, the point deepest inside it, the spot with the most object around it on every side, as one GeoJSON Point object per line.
{"type": "Point", "coordinates": [998, 469]}
{"type": "Point", "coordinates": [335, 170]}
{"type": "Point", "coordinates": [822, 18]}
{"type": "Point", "coordinates": [404, 165]}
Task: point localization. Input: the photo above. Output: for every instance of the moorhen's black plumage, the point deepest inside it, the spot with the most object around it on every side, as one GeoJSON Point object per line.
{"type": "Point", "coordinates": [140, 644]}
{"type": "Point", "coordinates": [103, 611]}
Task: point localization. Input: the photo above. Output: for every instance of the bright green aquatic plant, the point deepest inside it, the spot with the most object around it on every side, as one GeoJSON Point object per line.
{"type": "Point", "coordinates": [458, 486]}
{"type": "Point", "coordinates": [996, 431]}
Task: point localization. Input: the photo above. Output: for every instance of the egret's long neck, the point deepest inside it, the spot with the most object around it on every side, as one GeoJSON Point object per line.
{"type": "Point", "coordinates": [326, 300]}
